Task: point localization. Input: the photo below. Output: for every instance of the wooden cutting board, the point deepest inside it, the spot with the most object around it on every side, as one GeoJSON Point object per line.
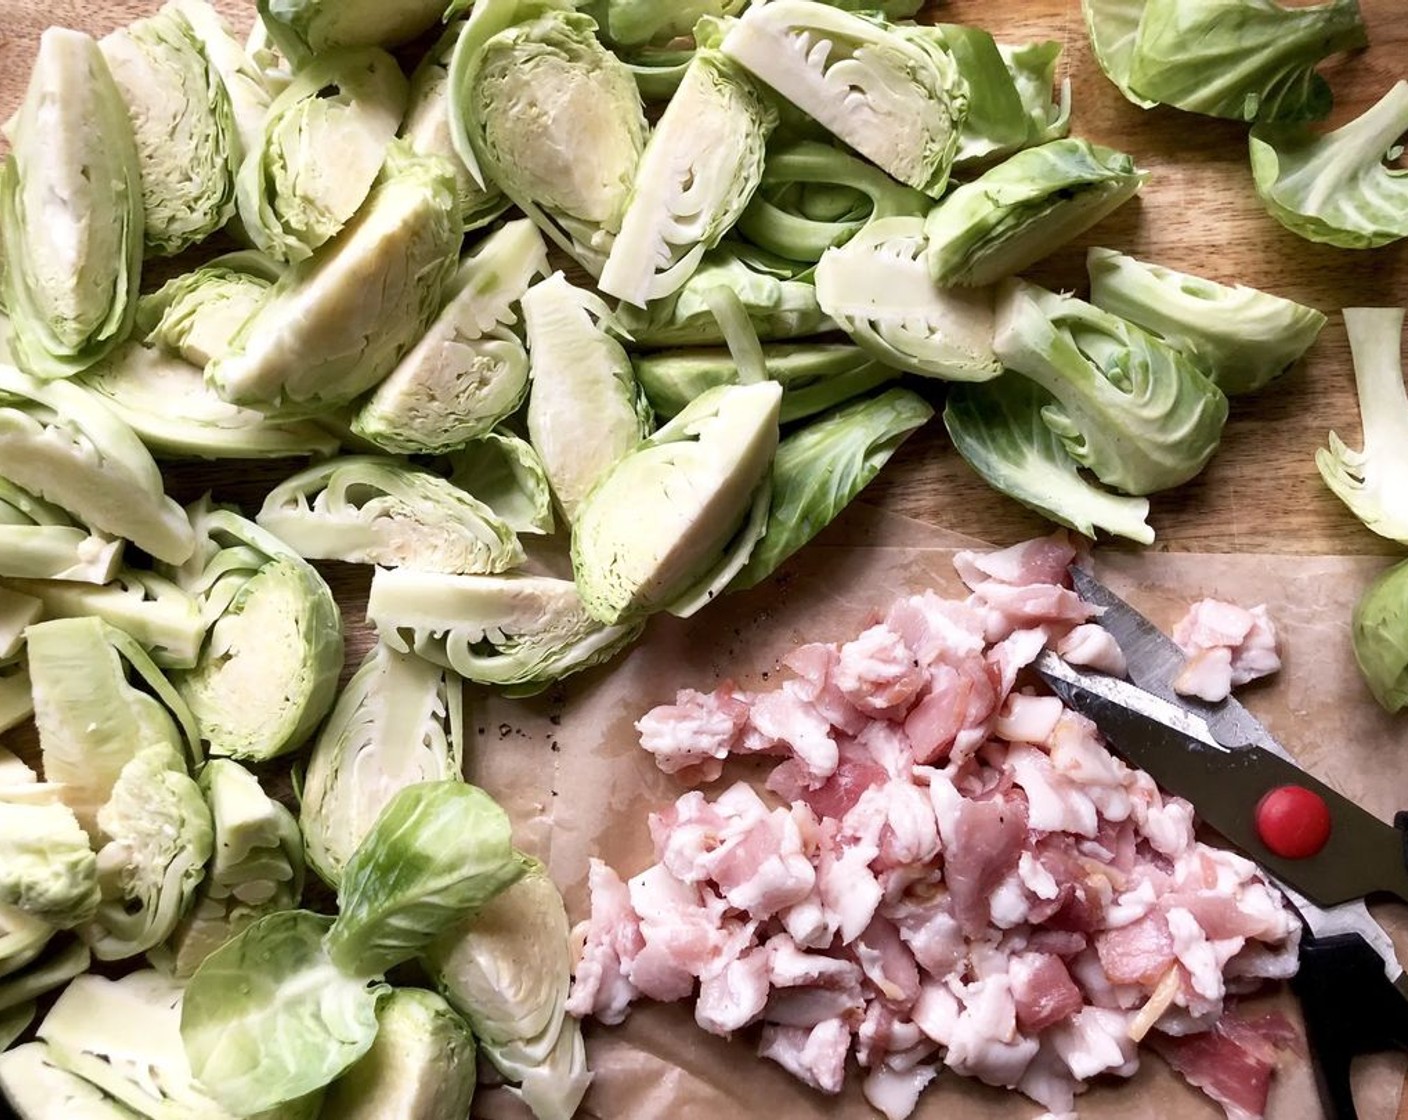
{"type": "Point", "coordinates": [1197, 213]}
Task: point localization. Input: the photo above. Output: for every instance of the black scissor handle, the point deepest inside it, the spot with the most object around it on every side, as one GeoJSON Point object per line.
{"type": "Point", "coordinates": [1351, 1008]}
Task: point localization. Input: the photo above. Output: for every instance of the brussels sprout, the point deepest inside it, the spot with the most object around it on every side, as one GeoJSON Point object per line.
{"type": "Point", "coordinates": [183, 125]}
{"type": "Point", "coordinates": [1113, 26]}
{"type": "Point", "coordinates": [820, 468]}
{"type": "Point", "coordinates": [421, 1066]}
{"type": "Point", "coordinates": [1033, 70]}
{"type": "Point", "coordinates": [1371, 481]}
{"type": "Point", "coordinates": [167, 403]}
{"type": "Point", "coordinates": [324, 140]}
{"type": "Point", "coordinates": [1379, 631]}
{"type": "Point", "coordinates": [16, 702]}
{"type": "Point", "coordinates": [519, 633]}
{"type": "Point", "coordinates": [636, 23]}
{"type": "Point", "coordinates": [267, 673]}
{"type": "Point", "coordinates": [814, 196]}
{"type": "Point", "coordinates": [373, 510]}
{"type": "Point", "coordinates": [814, 376]}
{"type": "Point", "coordinates": [437, 852]}
{"type": "Point", "coordinates": [1130, 408]}
{"type": "Point", "coordinates": [998, 429]}
{"type": "Point", "coordinates": [336, 324]}
{"type": "Point", "coordinates": [91, 721]}
{"type": "Point", "coordinates": [507, 475]}
{"type": "Point", "coordinates": [700, 168]}
{"type": "Point", "coordinates": [313, 27]}
{"type": "Point", "coordinates": [35, 1084]}
{"type": "Point", "coordinates": [578, 370]}
{"type": "Point", "coordinates": [654, 530]}
{"type": "Point", "coordinates": [469, 371]}
{"type": "Point", "coordinates": [268, 1019]}
{"type": "Point", "coordinates": [256, 867]}
{"type": "Point", "coordinates": [1025, 208]}
{"type": "Point", "coordinates": [398, 722]}
{"type": "Point", "coordinates": [878, 289]}
{"type": "Point", "coordinates": [47, 868]}
{"type": "Point", "coordinates": [427, 129]}
{"type": "Point", "coordinates": [70, 213]}
{"type": "Point", "coordinates": [520, 60]}
{"type": "Point", "coordinates": [39, 540]}
{"type": "Point", "coordinates": [195, 315]}
{"type": "Point", "coordinates": [507, 969]}
{"type": "Point", "coordinates": [1339, 188]}
{"type": "Point", "coordinates": [892, 93]}
{"type": "Point", "coordinates": [247, 91]}
{"type": "Point", "coordinates": [1240, 337]}
{"type": "Point", "coordinates": [159, 615]}
{"type": "Point", "coordinates": [59, 442]}
{"type": "Point", "coordinates": [1241, 59]}
{"type": "Point", "coordinates": [779, 306]}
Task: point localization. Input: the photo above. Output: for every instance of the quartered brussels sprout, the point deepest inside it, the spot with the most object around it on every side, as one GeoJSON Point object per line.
{"type": "Point", "coordinates": [893, 93]}
{"type": "Point", "coordinates": [184, 128]}
{"type": "Point", "coordinates": [878, 289]}
{"type": "Point", "coordinates": [367, 509]}
{"type": "Point", "coordinates": [507, 475]}
{"type": "Point", "coordinates": [302, 28]}
{"type": "Point", "coordinates": [426, 128]}
{"type": "Point", "coordinates": [578, 370]}
{"type": "Point", "coordinates": [70, 213]}
{"type": "Point", "coordinates": [195, 315]}
{"type": "Point", "coordinates": [507, 969]}
{"type": "Point", "coordinates": [469, 371]}
{"type": "Point", "coordinates": [39, 540]}
{"type": "Point", "coordinates": [658, 532]}
{"type": "Point", "coordinates": [437, 852]}
{"type": "Point", "coordinates": [821, 467]}
{"type": "Point", "coordinates": [1340, 188]}
{"type": "Point", "coordinates": [1024, 209]}
{"type": "Point", "coordinates": [246, 89]}
{"type": "Point", "coordinates": [571, 171]}
{"type": "Point", "coordinates": [1113, 27]}
{"type": "Point", "coordinates": [519, 633]}
{"type": "Point", "coordinates": [1137, 413]}
{"type": "Point", "coordinates": [336, 324]}
{"type": "Point", "coordinates": [60, 442]}
{"type": "Point", "coordinates": [324, 141]}
{"type": "Point", "coordinates": [421, 1066]}
{"type": "Point", "coordinates": [256, 867]}
{"type": "Point", "coordinates": [47, 867]}
{"type": "Point", "coordinates": [398, 722]}
{"type": "Point", "coordinates": [267, 673]}
{"type": "Point", "coordinates": [1378, 628]}
{"type": "Point", "coordinates": [1241, 337]}
{"type": "Point", "coordinates": [639, 23]}
{"type": "Point", "coordinates": [998, 429]}
{"type": "Point", "coordinates": [701, 166]}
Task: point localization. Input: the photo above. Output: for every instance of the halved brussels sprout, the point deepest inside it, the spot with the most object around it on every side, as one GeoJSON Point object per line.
{"type": "Point", "coordinates": [892, 93]}
{"type": "Point", "coordinates": [700, 168]}
{"type": "Point", "coordinates": [334, 325]}
{"type": "Point", "coordinates": [39, 540]}
{"type": "Point", "coordinates": [195, 315]}
{"type": "Point", "coordinates": [304, 28]}
{"type": "Point", "coordinates": [469, 371]}
{"type": "Point", "coordinates": [1113, 27]}
{"type": "Point", "coordinates": [267, 673]}
{"type": "Point", "coordinates": [59, 442]}
{"type": "Point", "coordinates": [578, 371]}
{"type": "Point", "coordinates": [324, 141]}
{"type": "Point", "coordinates": [47, 867]}
{"type": "Point", "coordinates": [571, 170]}
{"type": "Point", "coordinates": [998, 429]}
{"type": "Point", "coordinates": [399, 721]}
{"type": "Point", "coordinates": [655, 529]}
{"type": "Point", "coordinates": [519, 633]}
{"type": "Point", "coordinates": [421, 1066]}
{"type": "Point", "coordinates": [507, 475]}
{"type": "Point", "coordinates": [1129, 407]}
{"type": "Point", "coordinates": [1377, 629]}
{"type": "Point", "coordinates": [184, 128]}
{"type": "Point", "coordinates": [70, 211]}
{"type": "Point", "coordinates": [366, 509]}
{"type": "Point", "coordinates": [878, 289]}
{"type": "Point", "coordinates": [1024, 209]}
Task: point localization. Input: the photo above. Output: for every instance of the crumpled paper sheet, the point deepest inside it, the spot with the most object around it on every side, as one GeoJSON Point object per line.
{"type": "Point", "coordinates": [568, 768]}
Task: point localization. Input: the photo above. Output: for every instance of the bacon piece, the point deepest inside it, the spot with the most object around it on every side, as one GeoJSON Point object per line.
{"type": "Point", "coordinates": [735, 995]}
{"type": "Point", "coordinates": [942, 711]}
{"type": "Point", "coordinates": [878, 673]}
{"type": "Point", "coordinates": [696, 732]}
{"type": "Point", "coordinates": [887, 963]}
{"type": "Point", "coordinates": [1096, 1040]}
{"type": "Point", "coordinates": [816, 1056]}
{"type": "Point", "coordinates": [1091, 645]}
{"type": "Point", "coordinates": [1227, 646]}
{"type": "Point", "coordinates": [988, 838]}
{"type": "Point", "coordinates": [785, 718]}
{"type": "Point", "coordinates": [684, 935]}
{"type": "Point", "coordinates": [1043, 560]}
{"type": "Point", "coordinates": [612, 939]}
{"type": "Point", "coordinates": [1233, 1062]}
{"type": "Point", "coordinates": [1028, 719]}
{"type": "Point", "coordinates": [895, 1093]}
{"type": "Point", "coordinates": [815, 666]}
{"type": "Point", "coordinates": [937, 629]}
{"type": "Point", "coordinates": [856, 771]}
{"type": "Point", "coordinates": [1010, 608]}
{"type": "Point", "coordinates": [883, 1032]}
{"type": "Point", "coordinates": [790, 967]}
{"type": "Point", "coordinates": [1043, 991]}
{"type": "Point", "coordinates": [1139, 953]}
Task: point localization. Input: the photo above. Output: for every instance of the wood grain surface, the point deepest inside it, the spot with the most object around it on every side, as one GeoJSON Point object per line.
{"type": "Point", "coordinates": [1198, 212]}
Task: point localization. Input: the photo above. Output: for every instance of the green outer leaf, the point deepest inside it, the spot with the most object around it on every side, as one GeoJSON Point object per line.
{"type": "Point", "coordinates": [438, 851]}
{"type": "Point", "coordinates": [821, 467]}
{"type": "Point", "coordinates": [302, 28]}
{"type": "Point", "coordinates": [1379, 630]}
{"type": "Point", "coordinates": [998, 429]}
{"type": "Point", "coordinates": [998, 122]}
{"type": "Point", "coordinates": [196, 314]}
{"type": "Point", "coordinates": [504, 472]}
{"type": "Point", "coordinates": [637, 23]}
{"type": "Point", "coordinates": [1113, 26]}
{"type": "Point", "coordinates": [269, 1018]}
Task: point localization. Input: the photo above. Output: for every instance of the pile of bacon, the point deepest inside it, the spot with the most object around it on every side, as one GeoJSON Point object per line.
{"type": "Point", "coordinates": [952, 871]}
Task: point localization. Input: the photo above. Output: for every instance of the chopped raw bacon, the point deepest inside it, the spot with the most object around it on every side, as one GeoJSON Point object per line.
{"type": "Point", "coordinates": [1226, 645]}
{"type": "Point", "coordinates": [944, 868]}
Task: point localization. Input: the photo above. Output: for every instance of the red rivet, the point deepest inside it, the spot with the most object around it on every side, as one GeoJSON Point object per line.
{"type": "Point", "coordinates": [1293, 822]}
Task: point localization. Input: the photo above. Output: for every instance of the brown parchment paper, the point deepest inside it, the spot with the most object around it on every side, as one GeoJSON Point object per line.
{"type": "Point", "coordinates": [568, 768]}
